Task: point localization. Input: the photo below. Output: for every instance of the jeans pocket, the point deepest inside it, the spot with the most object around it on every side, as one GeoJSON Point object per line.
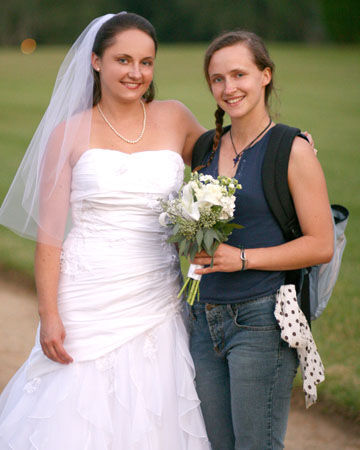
{"type": "Point", "coordinates": [256, 315]}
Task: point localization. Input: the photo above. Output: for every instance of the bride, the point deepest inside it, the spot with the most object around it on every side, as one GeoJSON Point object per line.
{"type": "Point", "coordinates": [110, 368]}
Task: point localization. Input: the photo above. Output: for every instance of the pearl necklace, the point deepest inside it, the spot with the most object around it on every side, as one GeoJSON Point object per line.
{"type": "Point", "coordinates": [129, 141]}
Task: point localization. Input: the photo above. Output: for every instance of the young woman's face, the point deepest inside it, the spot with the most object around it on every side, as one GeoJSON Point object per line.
{"type": "Point", "coordinates": [126, 68]}
{"type": "Point", "coordinates": [237, 84]}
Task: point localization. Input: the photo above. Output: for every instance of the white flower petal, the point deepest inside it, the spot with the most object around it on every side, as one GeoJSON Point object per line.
{"type": "Point", "coordinates": [163, 219]}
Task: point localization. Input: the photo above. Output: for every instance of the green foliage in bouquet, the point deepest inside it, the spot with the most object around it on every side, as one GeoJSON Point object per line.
{"type": "Point", "coordinates": [200, 217]}
{"type": "Point", "coordinates": [205, 238]}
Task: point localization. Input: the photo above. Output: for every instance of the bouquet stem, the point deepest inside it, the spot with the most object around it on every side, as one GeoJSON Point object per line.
{"type": "Point", "coordinates": [184, 287]}
{"type": "Point", "coordinates": [193, 283]}
{"type": "Point", "coordinates": [194, 291]}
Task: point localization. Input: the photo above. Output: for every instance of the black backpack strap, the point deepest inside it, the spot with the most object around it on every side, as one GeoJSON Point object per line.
{"type": "Point", "coordinates": [275, 179]}
{"type": "Point", "coordinates": [305, 296]}
{"type": "Point", "coordinates": [278, 196]}
{"type": "Point", "coordinates": [203, 146]}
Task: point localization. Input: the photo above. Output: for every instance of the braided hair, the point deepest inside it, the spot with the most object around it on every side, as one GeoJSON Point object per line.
{"type": "Point", "coordinates": [261, 58]}
{"type": "Point", "coordinates": [219, 120]}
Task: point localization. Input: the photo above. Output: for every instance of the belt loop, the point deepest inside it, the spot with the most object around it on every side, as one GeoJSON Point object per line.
{"type": "Point", "coordinates": [231, 309]}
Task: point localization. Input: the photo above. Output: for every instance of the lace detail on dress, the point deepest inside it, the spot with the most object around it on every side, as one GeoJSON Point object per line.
{"type": "Point", "coordinates": [150, 346]}
{"type": "Point", "coordinates": [32, 386]}
{"type": "Point", "coordinates": [72, 264]}
{"type": "Point", "coordinates": [107, 364]}
{"type": "Point", "coordinates": [154, 204]}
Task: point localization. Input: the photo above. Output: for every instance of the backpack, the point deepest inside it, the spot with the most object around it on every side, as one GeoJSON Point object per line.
{"type": "Point", "coordinates": [315, 284]}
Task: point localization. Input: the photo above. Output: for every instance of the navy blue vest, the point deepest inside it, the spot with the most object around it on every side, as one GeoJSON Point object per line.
{"type": "Point", "coordinates": [260, 230]}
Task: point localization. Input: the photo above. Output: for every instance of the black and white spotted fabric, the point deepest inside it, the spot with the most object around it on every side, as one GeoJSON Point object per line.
{"type": "Point", "coordinates": [296, 332]}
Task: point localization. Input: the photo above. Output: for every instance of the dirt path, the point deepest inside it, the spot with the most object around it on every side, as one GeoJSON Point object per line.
{"type": "Point", "coordinates": [310, 430]}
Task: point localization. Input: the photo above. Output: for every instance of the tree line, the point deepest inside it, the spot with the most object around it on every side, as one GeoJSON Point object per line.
{"type": "Point", "coordinates": [54, 22]}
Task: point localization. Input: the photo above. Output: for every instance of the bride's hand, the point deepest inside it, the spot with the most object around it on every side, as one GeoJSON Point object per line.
{"type": "Point", "coordinates": [226, 259]}
{"type": "Point", "coordinates": [52, 335]}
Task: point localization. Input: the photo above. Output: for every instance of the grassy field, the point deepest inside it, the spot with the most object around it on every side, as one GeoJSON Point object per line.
{"type": "Point", "coordinates": [318, 90]}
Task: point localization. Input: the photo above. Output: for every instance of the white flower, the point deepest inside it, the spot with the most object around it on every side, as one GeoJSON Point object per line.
{"type": "Point", "coordinates": [198, 196]}
{"type": "Point", "coordinates": [228, 204]}
{"type": "Point", "coordinates": [210, 194]}
{"type": "Point", "coordinates": [205, 178]}
{"type": "Point", "coordinates": [193, 184]}
{"type": "Point", "coordinates": [163, 219]}
{"type": "Point", "coordinates": [189, 208]}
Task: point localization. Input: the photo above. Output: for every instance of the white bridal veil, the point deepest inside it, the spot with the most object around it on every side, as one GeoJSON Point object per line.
{"type": "Point", "coordinates": [37, 204]}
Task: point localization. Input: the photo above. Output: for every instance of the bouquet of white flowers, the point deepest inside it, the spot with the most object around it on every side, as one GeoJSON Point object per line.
{"type": "Point", "coordinates": [199, 220]}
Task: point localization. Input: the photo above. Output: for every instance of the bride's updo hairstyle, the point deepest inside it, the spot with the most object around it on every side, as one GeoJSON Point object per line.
{"type": "Point", "coordinates": [105, 38]}
{"type": "Point", "coordinates": [261, 58]}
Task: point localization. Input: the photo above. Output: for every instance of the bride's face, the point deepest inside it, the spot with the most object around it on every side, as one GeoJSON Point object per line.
{"type": "Point", "coordinates": [126, 68]}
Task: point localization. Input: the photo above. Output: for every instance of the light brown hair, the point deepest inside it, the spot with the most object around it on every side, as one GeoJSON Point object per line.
{"type": "Point", "coordinates": [261, 58]}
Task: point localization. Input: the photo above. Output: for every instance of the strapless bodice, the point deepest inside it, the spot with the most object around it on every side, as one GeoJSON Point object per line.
{"type": "Point", "coordinates": [99, 172]}
{"type": "Point", "coordinates": [112, 190]}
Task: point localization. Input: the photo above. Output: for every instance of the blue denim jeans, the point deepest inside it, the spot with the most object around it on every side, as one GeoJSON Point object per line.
{"type": "Point", "coordinates": [244, 373]}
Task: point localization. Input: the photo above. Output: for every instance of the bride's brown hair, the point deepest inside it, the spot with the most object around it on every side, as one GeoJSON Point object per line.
{"type": "Point", "coordinates": [105, 37]}
{"type": "Point", "coordinates": [261, 58]}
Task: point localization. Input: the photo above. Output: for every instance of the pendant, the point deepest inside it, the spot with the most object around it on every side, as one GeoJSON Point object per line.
{"type": "Point", "coordinates": [236, 159]}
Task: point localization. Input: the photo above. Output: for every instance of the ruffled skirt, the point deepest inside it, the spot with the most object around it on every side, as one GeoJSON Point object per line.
{"type": "Point", "coordinates": [140, 396]}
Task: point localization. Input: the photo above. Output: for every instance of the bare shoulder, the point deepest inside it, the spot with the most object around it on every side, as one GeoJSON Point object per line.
{"type": "Point", "coordinates": [58, 131]}
{"type": "Point", "coordinates": [301, 150]}
{"type": "Point", "coordinates": [56, 139]}
{"type": "Point", "coordinates": [76, 123]}
{"type": "Point", "coordinates": [174, 113]}
{"type": "Point", "coordinates": [77, 127]}
{"type": "Point", "coordinates": [179, 121]}
{"type": "Point", "coordinates": [304, 167]}
{"type": "Point", "coordinates": [172, 109]}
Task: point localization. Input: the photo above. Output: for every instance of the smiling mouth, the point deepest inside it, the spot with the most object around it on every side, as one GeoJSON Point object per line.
{"type": "Point", "coordinates": [234, 101]}
{"type": "Point", "coordinates": [130, 85]}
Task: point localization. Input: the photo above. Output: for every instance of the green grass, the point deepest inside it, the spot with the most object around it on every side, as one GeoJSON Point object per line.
{"type": "Point", "coordinates": [319, 90]}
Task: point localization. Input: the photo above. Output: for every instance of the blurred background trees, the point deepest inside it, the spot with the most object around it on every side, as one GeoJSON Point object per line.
{"type": "Point", "coordinates": [59, 22]}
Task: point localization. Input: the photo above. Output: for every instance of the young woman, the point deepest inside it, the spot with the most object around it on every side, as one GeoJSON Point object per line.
{"type": "Point", "coordinates": [111, 367]}
{"type": "Point", "coordinates": [244, 371]}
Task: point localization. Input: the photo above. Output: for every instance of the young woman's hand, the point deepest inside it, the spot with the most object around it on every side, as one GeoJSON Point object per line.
{"type": "Point", "coordinates": [311, 140]}
{"type": "Point", "coordinates": [52, 335]}
{"type": "Point", "coordinates": [226, 259]}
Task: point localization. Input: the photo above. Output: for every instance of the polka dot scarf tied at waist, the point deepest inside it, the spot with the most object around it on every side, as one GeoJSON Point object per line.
{"type": "Point", "coordinates": [296, 332]}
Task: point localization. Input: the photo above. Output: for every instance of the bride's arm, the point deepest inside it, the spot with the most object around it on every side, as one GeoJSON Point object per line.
{"type": "Point", "coordinates": [188, 127]}
{"type": "Point", "coordinates": [52, 331]}
{"type": "Point", "coordinates": [194, 131]}
{"type": "Point", "coordinates": [53, 211]}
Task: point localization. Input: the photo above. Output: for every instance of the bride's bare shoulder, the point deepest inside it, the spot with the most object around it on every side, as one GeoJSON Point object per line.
{"type": "Point", "coordinates": [171, 109]}
{"type": "Point", "coordinates": [172, 113]}
{"type": "Point", "coordinates": [70, 134]}
{"type": "Point", "coordinates": [76, 123]}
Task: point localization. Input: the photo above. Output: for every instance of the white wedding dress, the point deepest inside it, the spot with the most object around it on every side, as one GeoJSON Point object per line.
{"type": "Point", "coordinates": [131, 385]}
